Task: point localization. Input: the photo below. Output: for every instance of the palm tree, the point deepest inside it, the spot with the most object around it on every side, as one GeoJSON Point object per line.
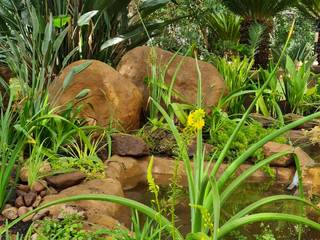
{"type": "Point", "coordinates": [262, 12]}
{"type": "Point", "coordinates": [312, 9]}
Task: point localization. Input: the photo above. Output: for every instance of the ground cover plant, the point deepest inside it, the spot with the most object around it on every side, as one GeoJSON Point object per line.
{"type": "Point", "coordinates": [38, 39]}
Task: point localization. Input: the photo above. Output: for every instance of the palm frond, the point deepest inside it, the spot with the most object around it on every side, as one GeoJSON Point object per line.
{"type": "Point", "coordinates": [257, 9]}
{"type": "Point", "coordinates": [310, 7]}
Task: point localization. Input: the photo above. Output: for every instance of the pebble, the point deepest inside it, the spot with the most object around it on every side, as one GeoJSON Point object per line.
{"type": "Point", "coordinates": [41, 214]}
{"type": "Point", "coordinates": [29, 198]}
{"type": "Point", "coordinates": [10, 213]}
{"type": "Point", "coordinates": [19, 202]}
{"type": "Point", "coordinates": [22, 210]}
{"type": "Point", "coordinates": [23, 188]}
{"type": "Point", "coordinates": [39, 186]}
{"type": "Point", "coordinates": [29, 217]}
{"type": "Point", "coordinates": [37, 201]}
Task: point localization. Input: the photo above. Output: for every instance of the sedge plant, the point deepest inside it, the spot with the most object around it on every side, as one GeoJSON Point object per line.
{"type": "Point", "coordinates": [11, 147]}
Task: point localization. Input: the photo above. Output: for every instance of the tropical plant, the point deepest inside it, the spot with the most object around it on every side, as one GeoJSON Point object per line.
{"type": "Point", "coordinates": [312, 9]}
{"type": "Point", "coordinates": [82, 21]}
{"type": "Point", "coordinates": [296, 82]}
{"type": "Point", "coordinates": [237, 74]}
{"type": "Point", "coordinates": [259, 11]}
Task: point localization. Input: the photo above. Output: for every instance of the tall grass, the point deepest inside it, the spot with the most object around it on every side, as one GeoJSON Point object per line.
{"type": "Point", "coordinates": [11, 146]}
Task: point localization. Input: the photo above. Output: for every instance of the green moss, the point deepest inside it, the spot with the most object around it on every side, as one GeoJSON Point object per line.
{"type": "Point", "coordinates": [248, 135]}
{"type": "Point", "coordinates": [92, 166]}
{"type": "Point", "coordinates": [68, 228]}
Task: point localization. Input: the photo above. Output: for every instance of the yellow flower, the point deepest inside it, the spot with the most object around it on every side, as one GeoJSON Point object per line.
{"type": "Point", "coordinates": [196, 119]}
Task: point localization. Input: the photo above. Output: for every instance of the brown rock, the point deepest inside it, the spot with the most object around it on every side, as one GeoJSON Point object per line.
{"type": "Point", "coordinates": [129, 145]}
{"type": "Point", "coordinates": [265, 121]}
{"type": "Point", "coordinates": [93, 209]}
{"type": "Point", "coordinates": [65, 180]}
{"type": "Point", "coordinates": [112, 98]}
{"type": "Point", "coordinates": [51, 191]}
{"type": "Point", "coordinates": [24, 174]}
{"type": "Point", "coordinates": [29, 198]}
{"type": "Point", "coordinates": [43, 193]}
{"type": "Point", "coordinates": [20, 193]}
{"type": "Point", "coordinates": [22, 210]}
{"type": "Point", "coordinates": [304, 159]}
{"type": "Point", "coordinates": [297, 137]}
{"type": "Point", "coordinates": [272, 147]}
{"type": "Point", "coordinates": [37, 201]}
{"type": "Point", "coordinates": [135, 66]}
{"type": "Point", "coordinates": [68, 210]}
{"type": "Point", "coordinates": [291, 117]}
{"type": "Point", "coordinates": [125, 169]}
{"type": "Point", "coordinates": [40, 215]}
{"type": "Point", "coordinates": [29, 218]}
{"type": "Point", "coordinates": [164, 168]}
{"type": "Point", "coordinates": [10, 213]}
{"type": "Point", "coordinates": [39, 186]}
{"type": "Point", "coordinates": [192, 148]}
{"type": "Point", "coordinates": [19, 202]}
{"type": "Point", "coordinates": [24, 188]}
{"type": "Point", "coordinates": [43, 170]}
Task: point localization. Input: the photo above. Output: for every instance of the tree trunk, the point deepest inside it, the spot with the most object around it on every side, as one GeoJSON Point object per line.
{"type": "Point", "coordinates": [263, 51]}
{"type": "Point", "coordinates": [317, 41]}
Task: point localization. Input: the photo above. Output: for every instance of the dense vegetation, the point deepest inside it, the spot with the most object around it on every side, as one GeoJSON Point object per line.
{"type": "Point", "coordinates": [264, 52]}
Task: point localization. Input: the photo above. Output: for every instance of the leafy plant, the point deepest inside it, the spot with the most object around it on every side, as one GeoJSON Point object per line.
{"type": "Point", "coordinates": [81, 24]}
{"type": "Point", "coordinates": [259, 11]}
{"type": "Point", "coordinates": [12, 143]}
{"type": "Point", "coordinates": [311, 8]}
{"type": "Point", "coordinates": [71, 227]}
{"type": "Point", "coordinates": [84, 157]}
{"type": "Point", "coordinates": [296, 83]}
{"type": "Point", "coordinates": [237, 74]}
{"type": "Point", "coordinates": [248, 135]}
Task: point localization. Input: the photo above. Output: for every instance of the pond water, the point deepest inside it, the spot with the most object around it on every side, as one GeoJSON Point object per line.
{"type": "Point", "coordinates": [243, 197]}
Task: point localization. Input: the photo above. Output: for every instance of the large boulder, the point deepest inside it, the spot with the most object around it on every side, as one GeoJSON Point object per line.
{"type": "Point", "coordinates": [111, 96]}
{"type": "Point", "coordinates": [92, 210]}
{"type": "Point", "coordinates": [136, 66]}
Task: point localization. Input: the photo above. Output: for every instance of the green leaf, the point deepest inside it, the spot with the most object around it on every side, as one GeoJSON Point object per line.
{"type": "Point", "coordinates": [149, 6]}
{"type": "Point", "coordinates": [216, 207]}
{"type": "Point", "coordinates": [197, 236]}
{"type": "Point", "coordinates": [75, 70]}
{"type": "Point", "coordinates": [85, 18]}
{"type": "Point", "coordinates": [61, 21]}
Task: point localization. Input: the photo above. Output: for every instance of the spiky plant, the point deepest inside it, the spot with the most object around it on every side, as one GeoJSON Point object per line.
{"type": "Point", "coordinates": [312, 9]}
{"type": "Point", "coordinates": [262, 12]}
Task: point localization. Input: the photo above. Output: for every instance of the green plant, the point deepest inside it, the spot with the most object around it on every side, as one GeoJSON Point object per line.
{"type": "Point", "coordinates": [209, 191]}
{"type": "Point", "coordinates": [266, 235]}
{"type": "Point", "coordinates": [262, 12]}
{"type": "Point", "coordinates": [311, 8]}
{"type": "Point", "coordinates": [84, 157]}
{"type": "Point", "coordinates": [225, 29]}
{"type": "Point", "coordinates": [71, 227]}
{"type": "Point", "coordinates": [12, 143]}
{"type": "Point", "coordinates": [81, 24]}
{"type": "Point", "coordinates": [34, 163]}
{"type": "Point", "coordinates": [296, 82]}
{"type": "Point", "coordinates": [237, 74]}
{"type": "Point", "coordinates": [248, 135]}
